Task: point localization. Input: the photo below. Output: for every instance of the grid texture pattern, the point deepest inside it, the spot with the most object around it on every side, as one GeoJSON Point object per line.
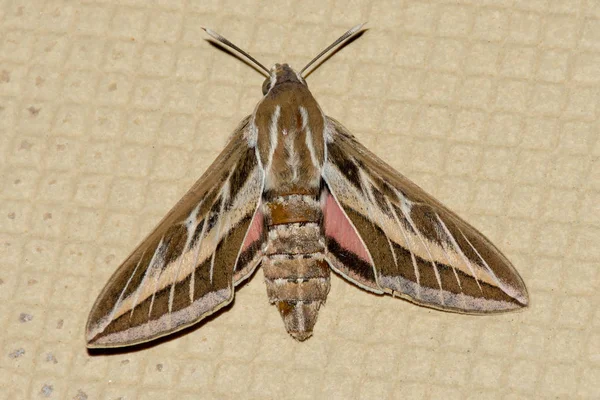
{"type": "Point", "coordinates": [109, 110]}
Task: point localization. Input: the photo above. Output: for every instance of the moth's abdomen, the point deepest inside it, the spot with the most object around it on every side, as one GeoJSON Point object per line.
{"type": "Point", "coordinates": [296, 273]}
{"type": "Point", "coordinates": [297, 285]}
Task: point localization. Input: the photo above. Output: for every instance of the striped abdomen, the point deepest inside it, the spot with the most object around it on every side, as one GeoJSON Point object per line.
{"type": "Point", "coordinates": [296, 273]}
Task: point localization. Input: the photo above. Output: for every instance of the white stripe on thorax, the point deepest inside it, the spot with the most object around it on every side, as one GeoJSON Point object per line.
{"type": "Point", "coordinates": [252, 133]}
{"type": "Point", "coordinates": [309, 137]}
{"type": "Point", "coordinates": [273, 132]}
{"type": "Point", "coordinates": [293, 158]}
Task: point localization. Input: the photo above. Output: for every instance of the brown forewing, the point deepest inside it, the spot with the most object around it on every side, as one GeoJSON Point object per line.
{"type": "Point", "coordinates": [184, 270]}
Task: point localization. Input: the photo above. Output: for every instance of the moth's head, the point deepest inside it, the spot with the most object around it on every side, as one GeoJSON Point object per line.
{"type": "Point", "coordinates": [279, 74]}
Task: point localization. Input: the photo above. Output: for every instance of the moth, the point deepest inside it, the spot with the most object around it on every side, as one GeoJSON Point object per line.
{"type": "Point", "coordinates": [295, 192]}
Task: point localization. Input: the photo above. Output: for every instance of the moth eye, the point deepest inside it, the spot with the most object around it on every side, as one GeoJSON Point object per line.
{"type": "Point", "coordinates": [265, 86]}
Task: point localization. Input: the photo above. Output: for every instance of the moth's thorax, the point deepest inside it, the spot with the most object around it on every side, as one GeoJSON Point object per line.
{"type": "Point", "coordinates": [289, 129]}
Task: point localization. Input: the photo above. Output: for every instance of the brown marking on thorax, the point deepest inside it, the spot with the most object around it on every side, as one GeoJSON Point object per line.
{"type": "Point", "coordinates": [291, 166]}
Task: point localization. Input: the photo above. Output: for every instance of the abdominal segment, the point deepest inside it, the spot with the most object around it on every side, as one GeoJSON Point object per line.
{"type": "Point", "coordinates": [296, 273]}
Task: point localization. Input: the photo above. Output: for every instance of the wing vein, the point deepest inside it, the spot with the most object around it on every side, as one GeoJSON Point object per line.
{"type": "Point", "coordinates": [406, 213]}
{"type": "Point", "coordinates": [148, 270]}
{"type": "Point", "coordinates": [459, 251]}
{"type": "Point", "coordinates": [408, 247]}
{"type": "Point", "coordinates": [120, 299]}
{"type": "Point", "coordinates": [156, 280]}
{"type": "Point", "coordinates": [368, 184]}
{"type": "Point", "coordinates": [224, 199]}
{"type": "Point", "coordinates": [449, 258]}
{"type": "Point", "coordinates": [190, 234]}
{"type": "Point", "coordinates": [500, 285]}
{"type": "Point", "coordinates": [197, 256]}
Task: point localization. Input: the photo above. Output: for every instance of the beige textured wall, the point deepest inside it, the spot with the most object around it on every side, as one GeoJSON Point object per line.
{"type": "Point", "coordinates": [109, 111]}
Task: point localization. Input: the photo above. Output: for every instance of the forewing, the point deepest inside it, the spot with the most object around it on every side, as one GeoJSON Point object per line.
{"type": "Point", "coordinates": [187, 267]}
{"type": "Point", "coordinates": [400, 240]}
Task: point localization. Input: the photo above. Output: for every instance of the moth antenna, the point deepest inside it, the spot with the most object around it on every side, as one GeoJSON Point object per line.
{"type": "Point", "coordinates": [341, 39]}
{"type": "Point", "coordinates": [226, 42]}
